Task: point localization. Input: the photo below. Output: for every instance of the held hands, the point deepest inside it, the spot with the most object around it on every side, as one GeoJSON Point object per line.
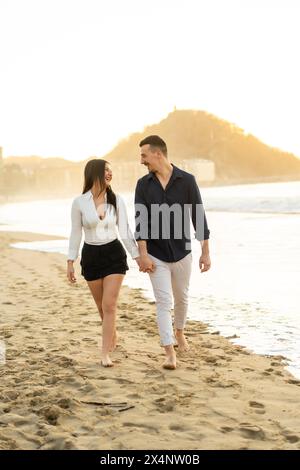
{"type": "Point", "coordinates": [71, 273]}
{"type": "Point", "coordinates": [204, 263]}
{"type": "Point", "coordinates": [145, 263]}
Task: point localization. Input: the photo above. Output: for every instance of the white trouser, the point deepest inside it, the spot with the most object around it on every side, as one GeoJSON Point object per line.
{"type": "Point", "coordinates": [171, 278]}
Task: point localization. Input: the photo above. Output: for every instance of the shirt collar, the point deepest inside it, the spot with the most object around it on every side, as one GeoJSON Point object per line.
{"type": "Point", "coordinates": [176, 173]}
{"type": "Point", "coordinates": [89, 195]}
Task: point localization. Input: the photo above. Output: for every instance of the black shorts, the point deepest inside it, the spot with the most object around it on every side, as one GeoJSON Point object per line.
{"type": "Point", "coordinates": [98, 261]}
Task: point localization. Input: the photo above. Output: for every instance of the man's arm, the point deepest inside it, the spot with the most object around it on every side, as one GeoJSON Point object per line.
{"type": "Point", "coordinates": [200, 225]}
{"type": "Point", "coordinates": [198, 213]}
{"type": "Point", "coordinates": [141, 228]}
{"type": "Point", "coordinates": [204, 261]}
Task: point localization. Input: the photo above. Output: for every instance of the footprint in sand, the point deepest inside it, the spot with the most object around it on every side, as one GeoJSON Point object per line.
{"type": "Point", "coordinates": [142, 426]}
{"type": "Point", "coordinates": [58, 443]}
{"type": "Point", "coordinates": [89, 340]}
{"type": "Point", "coordinates": [225, 429]}
{"type": "Point", "coordinates": [6, 409]}
{"type": "Point", "coordinates": [36, 401]}
{"type": "Point", "coordinates": [88, 388]}
{"type": "Point", "coordinates": [164, 405]}
{"type": "Point", "coordinates": [292, 438]}
{"type": "Point", "coordinates": [153, 373]}
{"type": "Point", "coordinates": [134, 396]}
{"type": "Point", "coordinates": [258, 407]}
{"type": "Point", "coordinates": [64, 403]}
{"type": "Point", "coordinates": [177, 427]}
{"type": "Point", "coordinates": [51, 380]}
{"type": "Point", "coordinates": [37, 393]}
{"type": "Point", "coordinates": [122, 381]}
{"type": "Point", "coordinates": [64, 361]}
{"type": "Point", "coordinates": [210, 360]}
{"type": "Point", "coordinates": [294, 382]}
{"type": "Point", "coordinates": [42, 433]}
{"type": "Point", "coordinates": [73, 380]}
{"type": "Point", "coordinates": [11, 395]}
{"type": "Point", "coordinates": [51, 413]}
{"type": "Point", "coordinates": [256, 404]}
{"type": "Point", "coordinates": [252, 431]}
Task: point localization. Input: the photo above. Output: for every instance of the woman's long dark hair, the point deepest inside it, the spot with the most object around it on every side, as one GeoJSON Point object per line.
{"type": "Point", "coordinates": [95, 171]}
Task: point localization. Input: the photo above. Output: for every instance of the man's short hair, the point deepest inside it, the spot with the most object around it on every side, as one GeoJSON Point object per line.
{"type": "Point", "coordinates": [155, 142]}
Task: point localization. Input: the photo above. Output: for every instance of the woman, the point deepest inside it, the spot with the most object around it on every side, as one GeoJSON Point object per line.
{"type": "Point", "coordinates": [103, 259]}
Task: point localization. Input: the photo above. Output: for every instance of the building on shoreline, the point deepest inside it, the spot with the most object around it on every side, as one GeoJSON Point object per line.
{"type": "Point", "coordinates": [45, 178]}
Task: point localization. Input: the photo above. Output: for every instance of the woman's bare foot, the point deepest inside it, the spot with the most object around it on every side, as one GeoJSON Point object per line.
{"type": "Point", "coordinates": [170, 362]}
{"type": "Point", "coordinates": [114, 342]}
{"type": "Point", "coordinates": [183, 345]}
{"type": "Point", "coordinates": [106, 361]}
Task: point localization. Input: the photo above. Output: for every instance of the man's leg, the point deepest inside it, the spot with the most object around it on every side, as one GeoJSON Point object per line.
{"type": "Point", "coordinates": [180, 276]}
{"type": "Point", "coordinates": [162, 289]}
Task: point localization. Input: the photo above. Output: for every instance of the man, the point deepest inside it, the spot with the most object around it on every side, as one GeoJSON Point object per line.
{"type": "Point", "coordinates": [165, 200]}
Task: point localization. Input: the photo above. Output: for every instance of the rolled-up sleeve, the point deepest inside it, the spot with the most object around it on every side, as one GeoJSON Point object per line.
{"type": "Point", "coordinates": [197, 212]}
{"type": "Point", "coordinates": [124, 229]}
{"type": "Point", "coordinates": [76, 231]}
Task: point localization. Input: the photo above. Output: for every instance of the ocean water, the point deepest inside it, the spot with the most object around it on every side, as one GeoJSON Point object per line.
{"type": "Point", "coordinates": [252, 288]}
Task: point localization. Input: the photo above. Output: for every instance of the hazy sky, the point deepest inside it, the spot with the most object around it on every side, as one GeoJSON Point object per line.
{"type": "Point", "coordinates": [76, 76]}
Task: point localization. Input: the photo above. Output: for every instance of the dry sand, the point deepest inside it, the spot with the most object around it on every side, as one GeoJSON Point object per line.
{"type": "Point", "coordinates": [55, 395]}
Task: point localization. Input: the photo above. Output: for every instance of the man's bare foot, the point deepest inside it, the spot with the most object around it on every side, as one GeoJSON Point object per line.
{"type": "Point", "coordinates": [183, 345]}
{"type": "Point", "coordinates": [106, 362]}
{"type": "Point", "coordinates": [114, 342]}
{"type": "Point", "coordinates": [170, 363]}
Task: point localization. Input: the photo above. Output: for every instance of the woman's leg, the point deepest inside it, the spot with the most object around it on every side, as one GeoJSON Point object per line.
{"type": "Point", "coordinates": [111, 289]}
{"type": "Point", "coordinates": [96, 288]}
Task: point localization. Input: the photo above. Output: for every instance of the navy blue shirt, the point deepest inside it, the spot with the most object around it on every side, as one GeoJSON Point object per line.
{"type": "Point", "coordinates": [163, 216]}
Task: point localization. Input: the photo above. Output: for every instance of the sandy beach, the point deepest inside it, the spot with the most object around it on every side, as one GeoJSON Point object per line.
{"type": "Point", "coordinates": [55, 395]}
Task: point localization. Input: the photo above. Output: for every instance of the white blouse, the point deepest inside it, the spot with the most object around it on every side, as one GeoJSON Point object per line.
{"type": "Point", "coordinates": [96, 231]}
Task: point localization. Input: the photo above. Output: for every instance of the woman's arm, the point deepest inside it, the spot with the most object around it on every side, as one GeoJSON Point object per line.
{"type": "Point", "coordinates": [76, 231]}
{"type": "Point", "coordinates": [124, 229]}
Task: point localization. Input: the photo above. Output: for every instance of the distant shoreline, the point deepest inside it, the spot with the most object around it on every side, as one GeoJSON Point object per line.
{"type": "Point", "coordinates": [216, 183]}
{"type": "Point", "coordinates": [256, 180]}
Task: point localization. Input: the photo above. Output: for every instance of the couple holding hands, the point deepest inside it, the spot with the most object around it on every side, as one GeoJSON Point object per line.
{"type": "Point", "coordinates": [166, 199]}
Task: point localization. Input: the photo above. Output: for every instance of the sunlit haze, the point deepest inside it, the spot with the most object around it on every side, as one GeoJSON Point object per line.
{"type": "Point", "coordinates": [79, 75]}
